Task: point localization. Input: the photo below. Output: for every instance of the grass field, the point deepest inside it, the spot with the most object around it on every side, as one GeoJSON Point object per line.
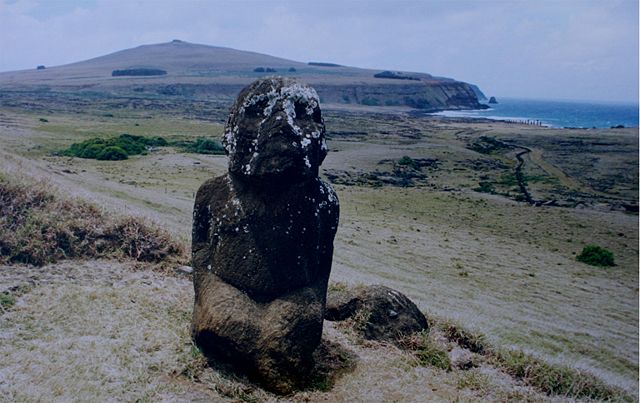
{"type": "Point", "coordinates": [495, 265]}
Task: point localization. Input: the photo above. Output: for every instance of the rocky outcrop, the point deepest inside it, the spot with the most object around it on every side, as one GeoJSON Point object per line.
{"type": "Point", "coordinates": [479, 94]}
{"type": "Point", "coordinates": [493, 100]}
{"type": "Point", "coordinates": [263, 238]}
{"type": "Point", "coordinates": [381, 312]}
{"type": "Point", "coordinates": [429, 96]}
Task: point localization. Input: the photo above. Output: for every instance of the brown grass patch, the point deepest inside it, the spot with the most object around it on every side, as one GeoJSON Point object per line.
{"type": "Point", "coordinates": [38, 226]}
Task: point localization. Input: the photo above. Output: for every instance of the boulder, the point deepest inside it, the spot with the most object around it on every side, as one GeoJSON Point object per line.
{"type": "Point", "coordinates": [383, 313]}
{"type": "Point", "coordinates": [263, 238]}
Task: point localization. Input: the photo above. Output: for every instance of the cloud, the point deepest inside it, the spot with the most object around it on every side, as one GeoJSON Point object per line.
{"type": "Point", "coordinates": [551, 49]}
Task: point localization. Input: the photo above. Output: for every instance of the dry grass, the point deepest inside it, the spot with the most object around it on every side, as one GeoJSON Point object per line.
{"type": "Point", "coordinates": [98, 330]}
{"type": "Point", "coordinates": [551, 379]}
{"type": "Point", "coordinates": [557, 380]}
{"type": "Point", "coordinates": [37, 227]}
{"type": "Point", "coordinates": [93, 331]}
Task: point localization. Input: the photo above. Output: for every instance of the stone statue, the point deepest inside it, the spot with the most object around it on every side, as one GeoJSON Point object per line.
{"type": "Point", "coordinates": [263, 237]}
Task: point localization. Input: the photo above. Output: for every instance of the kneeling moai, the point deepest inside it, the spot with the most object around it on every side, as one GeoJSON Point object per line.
{"type": "Point", "coordinates": [263, 238]}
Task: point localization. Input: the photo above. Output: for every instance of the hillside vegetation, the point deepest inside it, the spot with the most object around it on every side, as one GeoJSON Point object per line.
{"type": "Point", "coordinates": [113, 149]}
{"type": "Point", "coordinates": [37, 227]}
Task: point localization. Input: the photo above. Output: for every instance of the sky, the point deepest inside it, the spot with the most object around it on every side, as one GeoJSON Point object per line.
{"type": "Point", "coordinates": [543, 49]}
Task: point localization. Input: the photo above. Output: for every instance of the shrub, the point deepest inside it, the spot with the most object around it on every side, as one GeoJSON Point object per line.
{"type": "Point", "coordinates": [92, 150]}
{"type": "Point", "coordinates": [112, 153]}
{"type": "Point", "coordinates": [596, 256]}
{"type": "Point", "coordinates": [138, 72]}
{"type": "Point", "coordinates": [395, 75]}
{"type": "Point", "coordinates": [202, 146]}
{"type": "Point", "coordinates": [117, 148]}
{"type": "Point", "coordinates": [488, 145]}
{"type": "Point", "coordinates": [485, 187]}
{"type": "Point", "coordinates": [408, 162]}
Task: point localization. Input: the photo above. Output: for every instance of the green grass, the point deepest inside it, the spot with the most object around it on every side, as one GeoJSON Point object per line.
{"type": "Point", "coordinates": [426, 351]}
{"type": "Point", "coordinates": [7, 300]}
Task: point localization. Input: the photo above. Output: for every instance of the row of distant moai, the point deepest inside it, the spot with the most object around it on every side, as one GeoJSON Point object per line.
{"type": "Point", "coordinates": [263, 238]}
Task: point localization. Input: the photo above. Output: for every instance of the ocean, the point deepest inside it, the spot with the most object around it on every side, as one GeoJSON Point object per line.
{"type": "Point", "coordinates": [556, 113]}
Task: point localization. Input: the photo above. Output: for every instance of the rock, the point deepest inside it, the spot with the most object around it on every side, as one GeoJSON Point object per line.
{"type": "Point", "coordinates": [386, 314]}
{"type": "Point", "coordinates": [263, 238]}
{"type": "Point", "coordinates": [493, 100]}
{"type": "Point", "coordinates": [461, 358]}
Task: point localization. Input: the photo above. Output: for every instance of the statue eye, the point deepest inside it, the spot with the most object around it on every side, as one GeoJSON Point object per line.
{"type": "Point", "coordinates": [317, 115]}
{"type": "Point", "coordinates": [257, 107]}
{"type": "Point", "coordinates": [301, 110]}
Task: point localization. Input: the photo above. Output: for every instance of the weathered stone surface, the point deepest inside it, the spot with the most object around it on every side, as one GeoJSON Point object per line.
{"type": "Point", "coordinates": [386, 314]}
{"type": "Point", "coordinates": [263, 237]}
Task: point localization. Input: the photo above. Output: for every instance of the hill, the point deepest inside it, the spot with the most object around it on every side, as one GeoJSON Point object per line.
{"type": "Point", "coordinates": [201, 71]}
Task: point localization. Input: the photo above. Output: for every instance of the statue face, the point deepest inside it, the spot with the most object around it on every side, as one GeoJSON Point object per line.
{"type": "Point", "coordinates": [275, 132]}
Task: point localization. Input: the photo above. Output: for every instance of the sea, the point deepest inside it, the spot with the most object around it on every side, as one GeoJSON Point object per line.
{"type": "Point", "coordinates": [556, 114]}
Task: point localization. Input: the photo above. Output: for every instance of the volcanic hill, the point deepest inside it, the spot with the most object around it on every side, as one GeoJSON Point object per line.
{"type": "Point", "coordinates": [179, 68]}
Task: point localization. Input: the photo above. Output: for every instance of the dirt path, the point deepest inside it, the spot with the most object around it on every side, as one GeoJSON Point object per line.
{"type": "Point", "coordinates": [522, 184]}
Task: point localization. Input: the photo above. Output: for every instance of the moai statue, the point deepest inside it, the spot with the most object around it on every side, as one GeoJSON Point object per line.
{"type": "Point", "coordinates": [263, 238]}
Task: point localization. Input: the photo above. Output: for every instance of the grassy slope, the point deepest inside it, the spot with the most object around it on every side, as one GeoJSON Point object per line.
{"type": "Point", "coordinates": [501, 267]}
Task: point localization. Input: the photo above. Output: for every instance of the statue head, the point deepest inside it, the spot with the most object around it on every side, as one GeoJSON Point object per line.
{"type": "Point", "coordinates": [275, 132]}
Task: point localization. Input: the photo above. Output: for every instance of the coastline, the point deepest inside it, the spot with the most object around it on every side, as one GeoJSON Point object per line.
{"type": "Point", "coordinates": [553, 114]}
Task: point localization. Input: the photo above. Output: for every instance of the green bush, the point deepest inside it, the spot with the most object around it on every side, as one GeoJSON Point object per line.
{"type": "Point", "coordinates": [408, 162]}
{"type": "Point", "coordinates": [485, 187]}
{"type": "Point", "coordinates": [203, 145]}
{"type": "Point", "coordinates": [91, 150]}
{"type": "Point", "coordinates": [112, 153]}
{"type": "Point", "coordinates": [113, 149]}
{"type": "Point", "coordinates": [596, 256]}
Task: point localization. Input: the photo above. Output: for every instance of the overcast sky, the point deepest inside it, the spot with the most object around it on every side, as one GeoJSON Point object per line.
{"type": "Point", "coordinates": [548, 49]}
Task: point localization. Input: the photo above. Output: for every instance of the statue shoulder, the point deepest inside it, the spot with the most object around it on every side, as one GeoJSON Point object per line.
{"type": "Point", "coordinates": [213, 189]}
